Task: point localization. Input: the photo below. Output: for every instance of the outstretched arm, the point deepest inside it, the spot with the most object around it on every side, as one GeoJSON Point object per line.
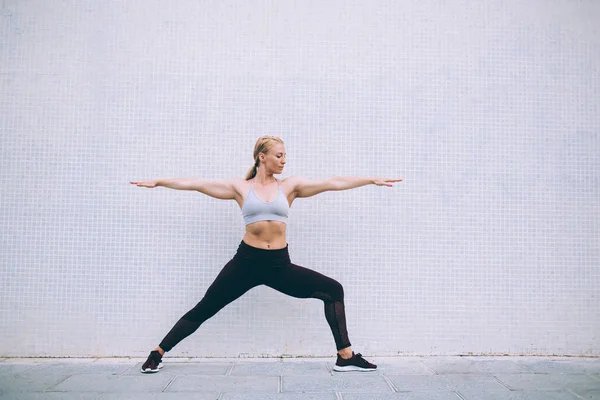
{"type": "Point", "coordinates": [225, 189]}
{"type": "Point", "coordinates": [305, 188]}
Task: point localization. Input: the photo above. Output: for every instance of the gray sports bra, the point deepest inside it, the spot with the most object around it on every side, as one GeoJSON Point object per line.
{"type": "Point", "coordinates": [255, 209]}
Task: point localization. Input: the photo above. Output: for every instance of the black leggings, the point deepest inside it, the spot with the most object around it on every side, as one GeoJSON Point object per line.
{"type": "Point", "coordinates": [251, 267]}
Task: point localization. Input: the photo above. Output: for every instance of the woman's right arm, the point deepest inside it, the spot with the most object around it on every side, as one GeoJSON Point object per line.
{"type": "Point", "coordinates": [225, 189]}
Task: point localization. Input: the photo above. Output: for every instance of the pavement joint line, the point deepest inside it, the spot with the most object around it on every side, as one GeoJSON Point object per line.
{"type": "Point", "coordinates": [129, 369]}
{"type": "Point", "coordinates": [27, 370]}
{"type": "Point", "coordinates": [58, 383]}
{"type": "Point", "coordinates": [575, 394]}
{"type": "Point", "coordinates": [390, 383]}
{"type": "Point", "coordinates": [428, 368]}
{"type": "Point", "coordinates": [168, 384]}
{"type": "Point", "coordinates": [459, 395]}
{"type": "Point", "coordinates": [329, 369]}
{"type": "Point", "coordinates": [230, 369]}
{"type": "Point", "coordinates": [500, 382]}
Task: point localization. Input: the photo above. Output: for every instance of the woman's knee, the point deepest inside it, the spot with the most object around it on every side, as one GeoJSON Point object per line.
{"type": "Point", "coordinates": [333, 291]}
{"type": "Point", "coordinates": [337, 291]}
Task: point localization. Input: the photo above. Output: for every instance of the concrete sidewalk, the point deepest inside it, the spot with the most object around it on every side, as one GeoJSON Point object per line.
{"type": "Point", "coordinates": [423, 378]}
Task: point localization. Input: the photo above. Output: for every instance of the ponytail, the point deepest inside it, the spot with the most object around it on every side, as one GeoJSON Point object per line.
{"type": "Point", "coordinates": [251, 172]}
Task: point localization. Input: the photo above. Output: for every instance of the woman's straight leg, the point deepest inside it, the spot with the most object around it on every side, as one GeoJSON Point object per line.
{"type": "Point", "coordinates": [233, 281]}
{"type": "Point", "coordinates": [300, 282]}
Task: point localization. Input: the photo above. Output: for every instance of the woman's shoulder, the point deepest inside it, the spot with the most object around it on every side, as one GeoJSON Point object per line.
{"type": "Point", "coordinates": [294, 180]}
{"type": "Point", "coordinates": [293, 183]}
{"type": "Point", "coordinates": [240, 184]}
{"type": "Point", "coordinates": [289, 181]}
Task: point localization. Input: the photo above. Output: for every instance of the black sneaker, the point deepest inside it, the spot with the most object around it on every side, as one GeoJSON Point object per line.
{"type": "Point", "coordinates": [153, 363]}
{"type": "Point", "coordinates": [355, 363]}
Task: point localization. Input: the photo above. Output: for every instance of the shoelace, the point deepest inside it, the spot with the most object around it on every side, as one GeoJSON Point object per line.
{"type": "Point", "coordinates": [361, 359]}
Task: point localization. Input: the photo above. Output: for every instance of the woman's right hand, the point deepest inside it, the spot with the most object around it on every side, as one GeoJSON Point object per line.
{"type": "Point", "coordinates": [147, 184]}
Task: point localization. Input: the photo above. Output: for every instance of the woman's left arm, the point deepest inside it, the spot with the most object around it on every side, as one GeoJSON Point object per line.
{"type": "Point", "coordinates": [351, 182]}
{"type": "Point", "coordinates": [307, 188]}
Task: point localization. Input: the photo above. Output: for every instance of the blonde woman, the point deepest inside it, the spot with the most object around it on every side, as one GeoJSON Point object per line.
{"type": "Point", "coordinates": [262, 257]}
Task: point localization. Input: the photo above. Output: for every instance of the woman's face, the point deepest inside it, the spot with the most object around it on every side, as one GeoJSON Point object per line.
{"type": "Point", "coordinates": [274, 160]}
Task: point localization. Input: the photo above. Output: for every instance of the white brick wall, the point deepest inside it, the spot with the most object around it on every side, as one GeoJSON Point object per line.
{"type": "Point", "coordinates": [488, 110]}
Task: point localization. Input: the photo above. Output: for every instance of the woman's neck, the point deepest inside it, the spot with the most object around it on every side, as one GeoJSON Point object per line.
{"type": "Point", "coordinates": [264, 179]}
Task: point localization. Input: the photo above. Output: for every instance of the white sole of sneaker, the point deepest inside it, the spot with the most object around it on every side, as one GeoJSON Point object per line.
{"type": "Point", "coordinates": [149, 371]}
{"type": "Point", "coordinates": [349, 368]}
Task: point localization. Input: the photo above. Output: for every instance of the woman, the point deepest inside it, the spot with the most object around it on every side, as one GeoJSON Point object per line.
{"type": "Point", "coordinates": [262, 257]}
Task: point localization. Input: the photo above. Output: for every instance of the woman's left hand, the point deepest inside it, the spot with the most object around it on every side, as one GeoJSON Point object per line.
{"type": "Point", "coordinates": [385, 182]}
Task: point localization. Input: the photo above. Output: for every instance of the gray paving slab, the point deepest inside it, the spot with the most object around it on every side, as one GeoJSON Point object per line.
{"type": "Point", "coordinates": [424, 395]}
{"type": "Point", "coordinates": [413, 378]}
{"type": "Point", "coordinates": [244, 384]}
{"type": "Point", "coordinates": [518, 395]}
{"type": "Point", "coordinates": [461, 365]}
{"type": "Point", "coordinates": [280, 396]}
{"type": "Point", "coordinates": [359, 382]}
{"type": "Point", "coordinates": [66, 368]}
{"type": "Point", "coordinates": [12, 369]}
{"type": "Point", "coordinates": [179, 368]}
{"type": "Point", "coordinates": [48, 360]}
{"type": "Point", "coordinates": [160, 396]}
{"type": "Point", "coordinates": [50, 396]}
{"type": "Point", "coordinates": [591, 394]}
{"type": "Point", "coordinates": [548, 382]}
{"type": "Point", "coordinates": [403, 366]}
{"type": "Point", "coordinates": [281, 368]}
{"type": "Point", "coordinates": [114, 383]}
{"type": "Point", "coordinates": [27, 382]}
{"type": "Point", "coordinates": [448, 382]}
{"type": "Point", "coordinates": [563, 366]}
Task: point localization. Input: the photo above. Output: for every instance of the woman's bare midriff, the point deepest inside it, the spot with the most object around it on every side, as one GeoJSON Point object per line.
{"type": "Point", "coordinates": [269, 235]}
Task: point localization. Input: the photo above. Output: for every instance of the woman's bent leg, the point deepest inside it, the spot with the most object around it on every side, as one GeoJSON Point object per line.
{"type": "Point", "coordinates": [301, 282]}
{"type": "Point", "coordinates": [233, 281]}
